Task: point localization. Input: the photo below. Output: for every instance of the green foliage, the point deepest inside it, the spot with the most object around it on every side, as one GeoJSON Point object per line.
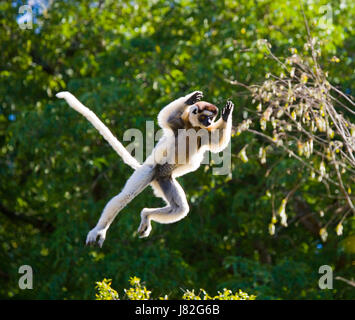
{"type": "Point", "coordinates": [139, 292]}
{"type": "Point", "coordinates": [105, 292]}
{"type": "Point", "coordinates": [125, 61]}
{"type": "Point", "coordinates": [225, 295]}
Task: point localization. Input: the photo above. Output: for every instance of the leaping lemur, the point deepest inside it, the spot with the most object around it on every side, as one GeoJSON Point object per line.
{"type": "Point", "coordinates": [190, 129]}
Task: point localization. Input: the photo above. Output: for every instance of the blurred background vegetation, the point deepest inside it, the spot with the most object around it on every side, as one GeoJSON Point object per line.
{"type": "Point", "coordinates": [126, 60]}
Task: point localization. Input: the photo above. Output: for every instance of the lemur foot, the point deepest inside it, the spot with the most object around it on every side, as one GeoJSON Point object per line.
{"type": "Point", "coordinates": [227, 110]}
{"type": "Point", "coordinates": [96, 236]}
{"type": "Point", "coordinates": [144, 228]}
{"type": "Point", "coordinates": [195, 96]}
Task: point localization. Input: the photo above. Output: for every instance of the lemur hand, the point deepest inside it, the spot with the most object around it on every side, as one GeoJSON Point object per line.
{"type": "Point", "coordinates": [227, 110]}
{"type": "Point", "coordinates": [196, 96]}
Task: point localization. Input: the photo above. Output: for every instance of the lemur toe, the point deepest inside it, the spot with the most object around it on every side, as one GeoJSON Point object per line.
{"type": "Point", "coordinates": [144, 231]}
{"type": "Point", "coordinates": [96, 237]}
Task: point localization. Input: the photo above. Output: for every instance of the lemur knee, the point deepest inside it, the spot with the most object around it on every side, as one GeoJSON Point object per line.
{"type": "Point", "coordinates": [182, 209]}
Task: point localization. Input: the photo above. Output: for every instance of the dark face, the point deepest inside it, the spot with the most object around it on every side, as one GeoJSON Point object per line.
{"type": "Point", "coordinates": [205, 120]}
{"type": "Point", "coordinates": [205, 113]}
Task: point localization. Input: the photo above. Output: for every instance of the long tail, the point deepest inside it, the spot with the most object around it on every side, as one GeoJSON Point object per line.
{"type": "Point", "coordinates": [97, 123]}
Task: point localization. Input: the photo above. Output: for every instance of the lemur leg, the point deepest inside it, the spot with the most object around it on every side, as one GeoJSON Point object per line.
{"type": "Point", "coordinates": [138, 181]}
{"type": "Point", "coordinates": [177, 207]}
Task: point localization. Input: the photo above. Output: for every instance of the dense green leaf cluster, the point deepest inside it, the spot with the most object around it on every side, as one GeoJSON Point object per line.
{"type": "Point", "coordinates": [137, 291]}
{"type": "Point", "coordinates": [126, 60]}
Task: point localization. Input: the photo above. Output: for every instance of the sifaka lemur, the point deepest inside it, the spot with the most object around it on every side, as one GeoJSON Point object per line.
{"type": "Point", "coordinates": [189, 129]}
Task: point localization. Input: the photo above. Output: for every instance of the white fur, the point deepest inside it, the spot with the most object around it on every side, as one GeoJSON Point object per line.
{"type": "Point", "coordinates": [174, 106]}
{"type": "Point", "coordinates": [144, 174]}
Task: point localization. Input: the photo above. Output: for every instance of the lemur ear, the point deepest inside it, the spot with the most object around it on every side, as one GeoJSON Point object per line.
{"type": "Point", "coordinates": [195, 108]}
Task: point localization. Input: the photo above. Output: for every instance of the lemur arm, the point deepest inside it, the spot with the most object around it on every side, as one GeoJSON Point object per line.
{"type": "Point", "coordinates": [221, 130]}
{"type": "Point", "coordinates": [170, 116]}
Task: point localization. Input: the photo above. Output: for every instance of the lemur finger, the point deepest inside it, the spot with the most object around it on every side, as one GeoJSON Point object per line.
{"type": "Point", "coordinates": [227, 110]}
{"type": "Point", "coordinates": [196, 96]}
{"type": "Point", "coordinates": [229, 104]}
{"type": "Point", "coordinates": [199, 95]}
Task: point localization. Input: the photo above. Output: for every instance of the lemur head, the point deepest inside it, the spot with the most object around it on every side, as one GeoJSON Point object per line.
{"type": "Point", "coordinates": [202, 114]}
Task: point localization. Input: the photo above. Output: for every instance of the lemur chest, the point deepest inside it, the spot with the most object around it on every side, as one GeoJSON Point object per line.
{"type": "Point", "coordinates": [181, 152]}
{"type": "Point", "coordinates": [189, 145]}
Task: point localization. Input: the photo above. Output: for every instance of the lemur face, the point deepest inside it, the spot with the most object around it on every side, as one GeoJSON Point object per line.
{"type": "Point", "coordinates": [202, 114]}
